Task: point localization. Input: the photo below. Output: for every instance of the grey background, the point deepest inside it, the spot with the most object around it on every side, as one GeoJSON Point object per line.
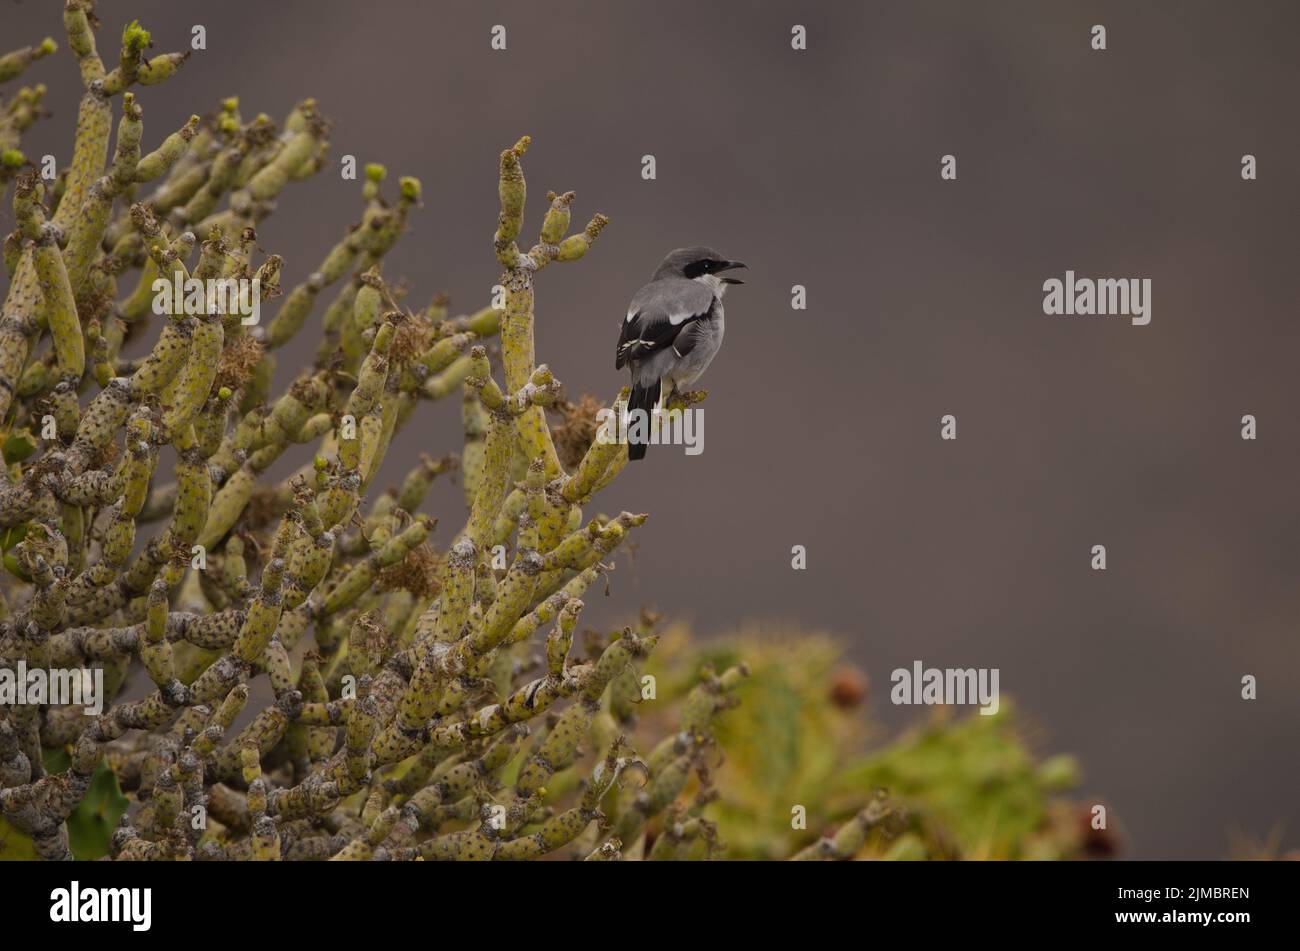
{"type": "Point", "coordinates": [822, 168]}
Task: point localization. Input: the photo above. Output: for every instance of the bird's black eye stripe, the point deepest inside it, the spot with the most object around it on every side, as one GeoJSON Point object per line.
{"type": "Point", "coordinates": [696, 268]}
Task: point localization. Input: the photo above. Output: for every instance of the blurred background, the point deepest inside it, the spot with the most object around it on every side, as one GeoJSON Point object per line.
{"type": "Point", "coordinates": [821, 168]}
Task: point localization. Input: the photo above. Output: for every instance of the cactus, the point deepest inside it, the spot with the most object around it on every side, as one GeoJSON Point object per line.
{"type": "Point", "coordinates": [395, 706]}
{"type": "Point", "coordinates": [322, 682]}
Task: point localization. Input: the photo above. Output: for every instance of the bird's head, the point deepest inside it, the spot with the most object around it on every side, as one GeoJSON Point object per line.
{"type": "Point", "coordinates": [699, 264]}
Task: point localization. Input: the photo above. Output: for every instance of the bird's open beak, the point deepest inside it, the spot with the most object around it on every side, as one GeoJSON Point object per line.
{"type": "Point", "coordinates": [731, 265]}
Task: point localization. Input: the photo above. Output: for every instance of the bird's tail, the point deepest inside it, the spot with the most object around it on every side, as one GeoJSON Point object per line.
{"type": "Point", "coordinates": [644, 398]}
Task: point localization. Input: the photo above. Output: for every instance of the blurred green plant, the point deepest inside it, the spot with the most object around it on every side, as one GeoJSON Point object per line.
{"type": "Point", "coordinates": [961, 787]}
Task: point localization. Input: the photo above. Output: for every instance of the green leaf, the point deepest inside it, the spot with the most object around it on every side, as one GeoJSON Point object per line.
{"type": "Point", "coordinates": [15, 846]}
{"type": "Point", "coordinates": [19, 446]}
{"type": "Point", "coordinates": [91, 825]}
{"type": "Point", "coordinates": [12, 535]}
{"type": "Point", "coordinates": [56, 759]}
{"type": "Point", "coordinates": [15, 567]}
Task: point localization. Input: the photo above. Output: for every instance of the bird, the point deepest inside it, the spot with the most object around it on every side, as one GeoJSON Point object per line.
{"type": "Point", "coordinates": [673, 328]}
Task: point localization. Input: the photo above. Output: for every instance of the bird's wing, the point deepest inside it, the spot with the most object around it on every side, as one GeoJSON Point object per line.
{"type": "Point", "coordinates": [658, 313]}
{"type": "Point", "coordinates": [692, 332]}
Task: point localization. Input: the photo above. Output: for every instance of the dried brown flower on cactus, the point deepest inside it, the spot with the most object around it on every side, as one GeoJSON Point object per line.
{"type": "Point", "coordinates": [577, 428]}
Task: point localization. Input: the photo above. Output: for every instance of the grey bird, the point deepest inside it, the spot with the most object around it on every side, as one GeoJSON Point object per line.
{"type": "Point", "coordinates": [673, 328]}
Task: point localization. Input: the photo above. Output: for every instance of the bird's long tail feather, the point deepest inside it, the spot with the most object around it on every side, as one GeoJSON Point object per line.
{"type": "Point", "coordinates": [643, 398]}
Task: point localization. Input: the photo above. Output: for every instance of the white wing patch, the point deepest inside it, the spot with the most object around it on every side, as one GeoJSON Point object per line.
{"type": "Point", "coordinates": [673, 319]}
